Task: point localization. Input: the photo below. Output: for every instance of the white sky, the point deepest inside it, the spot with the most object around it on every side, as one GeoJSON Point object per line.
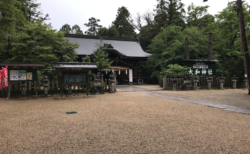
{"type": "Point", "coordinates": [79, 11]}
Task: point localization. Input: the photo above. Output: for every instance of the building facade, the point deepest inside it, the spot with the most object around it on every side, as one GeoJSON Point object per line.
{"type": "Point", "coordinates": [125, 54]}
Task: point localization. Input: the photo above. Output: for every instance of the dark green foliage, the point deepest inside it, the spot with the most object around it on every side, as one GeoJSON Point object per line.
{"type": "Point", "coordinates": [101, 57]}
{"type": "Point", "coordinates": [123, 23]}
{"type": "Point", "coordinates": [37, 43]}
{"type": "Point", "coordinates": [86, 59]}
{"type": "Point", "coordinates": [68, 30]}
{"type": "Point", "coordinates": [169, 12]}
{"type": "Point", "coordinates": [76, 30]}
{"type": "Point", "coordinates": [93, 26]}
{"type": "Point", "coordinates": [109, 32]}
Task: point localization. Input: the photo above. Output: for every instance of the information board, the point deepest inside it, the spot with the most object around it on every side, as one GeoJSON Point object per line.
{"type": "Point", "coordinates": [74, 77]}
{"type": "Point", "coordinates": [22, 75]}
{"type": "Point", "coordinates": [201, 68]}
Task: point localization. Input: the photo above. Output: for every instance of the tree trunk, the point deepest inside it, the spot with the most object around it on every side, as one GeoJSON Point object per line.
{"type": "Point", "coordinates": [210, 46]}
{"type": "Point", "coordinates": [244, 42]}
{"type": "Point", "coordinates": [187, 51]}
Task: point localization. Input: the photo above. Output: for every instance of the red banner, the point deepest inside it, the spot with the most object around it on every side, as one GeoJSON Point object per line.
{"type": "Point", "coordinates": [5, 77]}
{"type": "Point", "coordinates": [1, 80]}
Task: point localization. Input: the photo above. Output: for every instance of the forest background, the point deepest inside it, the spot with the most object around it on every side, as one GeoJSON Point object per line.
{"type": "Point", "coordinates": [25, 37]}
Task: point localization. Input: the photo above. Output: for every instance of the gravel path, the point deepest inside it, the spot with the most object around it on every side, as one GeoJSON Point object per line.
{"type": "Point", "coordinates": [234, 97]}
{"type": "Point", "coordinates": [124, 122]}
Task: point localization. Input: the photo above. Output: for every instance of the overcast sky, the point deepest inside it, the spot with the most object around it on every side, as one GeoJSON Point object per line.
{"type": "Point", "coordinates": [79, 11]}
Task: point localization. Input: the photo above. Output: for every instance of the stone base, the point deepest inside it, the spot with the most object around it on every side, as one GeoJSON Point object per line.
{"type": "Point", "coordinates": [187, 86]}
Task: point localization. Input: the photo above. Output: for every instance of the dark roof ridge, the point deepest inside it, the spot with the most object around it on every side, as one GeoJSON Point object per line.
{"type": "Point", "coordinates": [98, 37]}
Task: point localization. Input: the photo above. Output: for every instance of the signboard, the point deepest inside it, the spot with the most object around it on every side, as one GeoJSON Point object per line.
{"type": "Point", "coordinates": [201, 68]}
{"type": "Point", "coordinates": [74, 77]}
{"type": "Point", "coordinates": [22, 75]}
{"type": "Point", "coordinates": [13, 75]}
{"type": "Point", "coordinates": [130, 75]}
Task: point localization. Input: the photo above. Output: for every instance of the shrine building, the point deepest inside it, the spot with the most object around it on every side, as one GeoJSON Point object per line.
{"type": "Point", "coordinates": [125, 53]}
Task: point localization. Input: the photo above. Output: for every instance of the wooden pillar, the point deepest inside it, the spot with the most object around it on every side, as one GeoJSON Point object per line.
{"type": "Point", "coordinates": [53, 85]}
{"type": "Point", "coordinates": [39, 83]}
{"type": "Point", "coordinates": [9, 89]}
{"type": "Point", "coordinates": [29, 85]}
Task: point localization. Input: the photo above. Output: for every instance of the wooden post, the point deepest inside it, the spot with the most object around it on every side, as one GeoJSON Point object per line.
{"type": "Point", "coordinates": [35, 85]}
{"type": "Point", "coordinates": [9, 89]}
{"type": "Point", "coordinates": [48, 85]}
{"type": "Point", "coordinates": [39, 84]}
{"type": "Point", "coordinates": [57, 84]}
{"type": "Point", "coordinates": [210, 46]}
{"type": "Point", "coordinates": [29, 85]}
{"type": "Point", "coordinates": [20, 88]}
{"type": "Point", "coordinates": [53, 85]}
{"type": "Point", "coordinates": [164, 82]}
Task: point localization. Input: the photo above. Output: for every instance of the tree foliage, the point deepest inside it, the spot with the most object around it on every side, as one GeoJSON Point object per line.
{"type": "Point", "coordinates": [38, 43]}
{"type": "Point", "coordinates": [68, 30]}
{"type": "Point", "coordinates": [93, 26]}
{"type": "Point", "coordinates": [101, 57]}
{"type": "Point", "coordinates": [86, 59]}
{"type": "Point", "coordinates": [110, 32]}
{"type": "Point", "coordinates": [123, 23]}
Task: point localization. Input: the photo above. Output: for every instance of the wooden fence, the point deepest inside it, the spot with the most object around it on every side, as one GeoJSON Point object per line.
{"type": "Point", "coordinates": [203, 82]}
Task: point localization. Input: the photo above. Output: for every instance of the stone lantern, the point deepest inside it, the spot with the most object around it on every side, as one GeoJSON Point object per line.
{"type": "Point", "coordinates": [112, 82]}
{"type": "Point", "coordinates": [174, 79]}
{"type": "Point", "coordinates": [222, 81]}
{"type": "Point", "coordinates": [45, 86]}
{"type": "Point", "coordinates": [98, 83]}
{"type": "Point", "coordinates": [23, 86]}
{"type": "Point", "coordinates": [196, 80]}
{"type": "Point", "coordinates": [187, 85]}
{"type": "Point", "coordinates": [209, 82]}
{"type": "Point", "coordinates": [234, 80]}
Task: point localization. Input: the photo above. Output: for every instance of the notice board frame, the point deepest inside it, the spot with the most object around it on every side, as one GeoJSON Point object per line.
{"type": "Point", "coordinates": [34, 75]}
{"type": "Point", "coordinates": [78, 84]}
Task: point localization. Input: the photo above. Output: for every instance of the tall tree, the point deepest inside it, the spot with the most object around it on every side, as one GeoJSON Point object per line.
{"type": "Point", "coordinates": [93, 26]}
{"type": "Point", "coordinates": [32, 10]}
{"type": "Point", "coordinates": [198, 16]}
{"type": "Point", "coordinates": [11, 21]}
{"type": "Point", "coordinates": [110, 32]}
{"type": "Point", "coordinates": [123, 23]}
{"type": "Point", "coordinates": [76, 30]}
{"type": "Point", "coordinates": [66, 29]}
{"type": "Point", "coordinates": [169, 12]}
{"type": "Point", "coordinates": [39, 43]}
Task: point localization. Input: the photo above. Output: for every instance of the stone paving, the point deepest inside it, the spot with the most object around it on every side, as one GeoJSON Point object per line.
{"type": "Point", "coordinates": [235, 100]}
{"type": "Point", "coordinates": [123, 122]}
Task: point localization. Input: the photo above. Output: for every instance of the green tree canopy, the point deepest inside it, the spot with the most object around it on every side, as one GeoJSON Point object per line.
{"type": "Point", "coordinates": [169, 12]}
{"type": "Point", "coordinates": [123, 23]}
{"type": "Point", "coordinates": [66, 29]}
{"type": "Point", "coordinates": [198, 16]}
{"type": "Point", "coordinates": [76, 30]}
{"type": "Point", "coordinates": [38, 43]}
{"type": "Point", "coordinates": [93, 26]}
{"type": "Point", "coordinates": [101, 57]}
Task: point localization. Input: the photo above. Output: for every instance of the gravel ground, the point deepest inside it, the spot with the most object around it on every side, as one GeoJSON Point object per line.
{"type": "Point", "coordinates": [234, 97]}
{"type": "Point", "coordinates": [124, 122]}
